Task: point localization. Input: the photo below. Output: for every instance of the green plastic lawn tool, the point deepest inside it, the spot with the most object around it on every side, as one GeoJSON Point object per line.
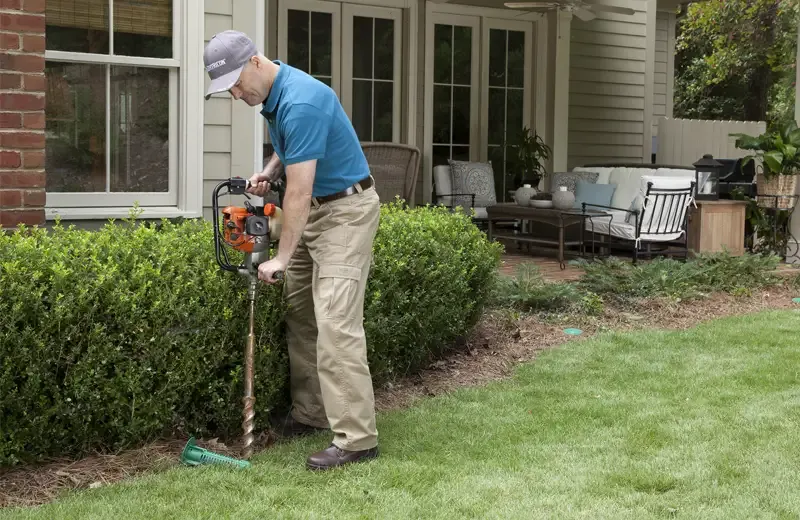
{"type": "Point", "coordinates": [194, 455]}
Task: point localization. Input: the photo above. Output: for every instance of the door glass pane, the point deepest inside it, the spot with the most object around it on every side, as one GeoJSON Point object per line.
{"type": "Point", "coordinates": [321, 44]}
{"type": "Point", "coordinates": [505, 114]}
{"type": "Point", "coordinates": [362, 109]}
{"type": "Point", "coordinates": [373, 78]}
{"type": "Point", "coordinates": [462, 55]}
{"type": "Point", "coordinates": [362, 47]}
{"type": "Point", "coordinates": [382, 129]}
{"type": "Point", "coordinates": [384, 49]}
{"type": "Point", "coordinates": [497, 58]}
{"type": "Point", "coordinates": [299, 48]}
{"type": "Point", "coordinates": [441, 113]}
{"type": "Point", "coordinates": [443, 54]}
{"type": "Point", "coordinates": [452, 90]}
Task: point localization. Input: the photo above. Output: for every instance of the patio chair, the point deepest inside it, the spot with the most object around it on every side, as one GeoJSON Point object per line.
{"type": "Point", "coordinates": [395, 168]}
{"type": "Point", "coordinates": [658, 216]}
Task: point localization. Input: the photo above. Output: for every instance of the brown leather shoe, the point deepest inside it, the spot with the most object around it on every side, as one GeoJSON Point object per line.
{"type": "Point", "coordinates": [334, 456]}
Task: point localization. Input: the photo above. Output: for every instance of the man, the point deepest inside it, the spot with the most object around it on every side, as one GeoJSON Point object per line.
{"type": "Point", "coordinates": [330, 217]}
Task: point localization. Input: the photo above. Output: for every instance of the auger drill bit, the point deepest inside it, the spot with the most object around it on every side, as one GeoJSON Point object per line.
{"type": "Point", "coordinates": [248, 399]}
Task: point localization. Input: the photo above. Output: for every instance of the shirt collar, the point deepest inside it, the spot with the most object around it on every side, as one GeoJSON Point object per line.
{"type": "Point", "coordinates": [275, 93]}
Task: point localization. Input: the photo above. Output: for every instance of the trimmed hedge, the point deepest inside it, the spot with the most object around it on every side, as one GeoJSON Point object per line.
{"type": "Point", "coordinates": [114, 337]}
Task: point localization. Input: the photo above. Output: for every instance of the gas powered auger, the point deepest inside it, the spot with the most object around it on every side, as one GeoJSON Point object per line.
{"type": "Point", "coordinates": [248, 229]}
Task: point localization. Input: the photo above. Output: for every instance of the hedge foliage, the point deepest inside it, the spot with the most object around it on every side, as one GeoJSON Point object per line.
{"type": "Point", "coordinates": [113, 337]}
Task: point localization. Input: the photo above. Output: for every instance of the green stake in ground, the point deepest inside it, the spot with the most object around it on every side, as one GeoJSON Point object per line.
{"type": "Point", "coordinates": [194, 455]}
{"type": "Point", "coordinates": [573, 332]}
{"type": "Point", "coordinates": [796, 300]}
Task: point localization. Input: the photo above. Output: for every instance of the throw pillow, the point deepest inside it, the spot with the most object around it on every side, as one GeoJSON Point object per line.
{"type": "Point", "coordinates": [569, 179]}
{"type": "Point", "coordinates": [592, 193]}
{"type": "Point", "coordinates": [473, 177]}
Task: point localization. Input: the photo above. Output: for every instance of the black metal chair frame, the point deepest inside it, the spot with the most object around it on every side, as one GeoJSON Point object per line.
{"type": "Point", "coordinates": [680, 224]}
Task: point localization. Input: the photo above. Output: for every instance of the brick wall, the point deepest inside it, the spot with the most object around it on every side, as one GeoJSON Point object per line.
{"type": "Point", "coordinates": [22, 121]}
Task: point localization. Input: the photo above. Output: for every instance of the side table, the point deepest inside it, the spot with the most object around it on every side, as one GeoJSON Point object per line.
{"type": "Point", "coordinates": [717, 225]}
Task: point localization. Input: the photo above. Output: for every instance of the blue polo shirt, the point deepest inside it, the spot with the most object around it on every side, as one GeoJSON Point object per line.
{"type": "Point", "coordinates": [307, 121]}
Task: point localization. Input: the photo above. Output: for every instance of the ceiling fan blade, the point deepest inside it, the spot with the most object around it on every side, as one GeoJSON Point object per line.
{"type": "Point", "coordinates": [530, 5]}
{"type": "Point", "coordinates": [612, 9]}
{"type": "Point", "coordinates": [584, 15]}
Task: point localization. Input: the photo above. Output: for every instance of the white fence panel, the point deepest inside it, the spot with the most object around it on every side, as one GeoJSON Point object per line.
{"type": "Point", "coordinates": [684, 141]}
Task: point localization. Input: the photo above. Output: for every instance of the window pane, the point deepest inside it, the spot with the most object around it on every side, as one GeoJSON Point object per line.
{"type": "Point", "coordinates": [328, 81]}
{"type": "Point", "coordinates": [384, 105]}
{"type": "Point", "coordinates": [462, 55]}
{"type": "Point", "coordinates": [143, 28]}
{"type": "Point", "coordinates": [362, 109]}
{"type": "Point", "coordinates": [497, 58]}
{"type": "Point", "coordinates": [297, 33]}
{"type": "Point", "coordinates": [440, 155]}
{"type": "Point", "coordinates": [321, 43]}
{"type": "Point", "coordinates": [441, 114]}
{"type": "Point", "coordinates": [139, 129]}
{"type": "Point", "coordinates": [443, 53]}
{"type": "Point", "coordinates": [384, 48]}
{"type": "Point", "coordinates": [362, 47]}
{"type": "Point", "coordinates": [497, 115]}
{"type": "Point", "coordinates": [75, 127]}
{"type": "Point", "coordinates": [74, 29]}
{"type": "Point", "coordinates": [461, 153]}
{"type": "Point", "coordinates": [516, 59]}
{"type": "Point", "coordinates": [461, 112]}
{"type": "Point", "coordinates": [514, 114]}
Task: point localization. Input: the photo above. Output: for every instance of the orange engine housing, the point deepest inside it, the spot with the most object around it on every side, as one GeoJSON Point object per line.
{"type": "Point", "coordinates": [233, 226]}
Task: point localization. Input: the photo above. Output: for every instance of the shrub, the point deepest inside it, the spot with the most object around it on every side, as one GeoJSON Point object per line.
{"type": "Point", "coordinates": [664, 277]}
{"type": "Point", "coordinates": [432, 276]}
{"type": "Point", "coordinates": [111, 338]}
{"type": "Point", "coordinates": [528, 291]}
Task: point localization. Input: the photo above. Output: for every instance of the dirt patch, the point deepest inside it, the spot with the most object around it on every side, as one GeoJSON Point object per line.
{"type": "Point", "coordinates": [496, 346]}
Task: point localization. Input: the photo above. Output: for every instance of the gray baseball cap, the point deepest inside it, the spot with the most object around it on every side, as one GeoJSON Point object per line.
{"type": "Point", "coordinates": [225, 56]}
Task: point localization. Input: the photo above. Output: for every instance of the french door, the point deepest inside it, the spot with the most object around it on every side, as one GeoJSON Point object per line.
{"type": "Point", "coordinates": [356, 50]}
{"type": "Point", "coordinates": [478, 91]}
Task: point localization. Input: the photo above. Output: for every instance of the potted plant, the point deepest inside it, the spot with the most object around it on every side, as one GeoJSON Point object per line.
{"type": "Point", "coordinates": [530, 152]}
{"type": "Point", "coordinates": [778, 152]}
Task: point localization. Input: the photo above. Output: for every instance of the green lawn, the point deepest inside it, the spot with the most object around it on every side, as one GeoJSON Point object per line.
{"type": "Point", "coordinates": [698, 424]}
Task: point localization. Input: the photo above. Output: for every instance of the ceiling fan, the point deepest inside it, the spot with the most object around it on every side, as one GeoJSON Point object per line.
{"type": "Point", "coordinates": [582, 10]}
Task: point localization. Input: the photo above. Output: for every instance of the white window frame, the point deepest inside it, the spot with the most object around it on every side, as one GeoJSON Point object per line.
{"type": "Point", "coordinates": [185, 194]}
{"type": "Point", "coordinates": [536, 44]}
{"type": "Point", "coordinates": [348, 12]}
{"type": "Point", "coordinates": [407, 68]}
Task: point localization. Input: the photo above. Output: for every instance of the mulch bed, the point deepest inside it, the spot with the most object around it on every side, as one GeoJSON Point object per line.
{"type": "Point", "coordinates": [493, 350]}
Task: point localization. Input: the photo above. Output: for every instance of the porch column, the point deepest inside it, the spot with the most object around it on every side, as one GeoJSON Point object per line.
{"type": "Point", "coordinates": [794, 225]}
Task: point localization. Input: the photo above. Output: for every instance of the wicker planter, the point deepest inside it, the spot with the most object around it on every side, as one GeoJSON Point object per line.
{"type": "Point", "coordinates": [783, 185]}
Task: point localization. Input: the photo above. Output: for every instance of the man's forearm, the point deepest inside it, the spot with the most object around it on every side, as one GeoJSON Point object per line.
{"type": "Point", "coordinates": [296, 205]}
{"type": "Point", "coordinates": [271, 168]}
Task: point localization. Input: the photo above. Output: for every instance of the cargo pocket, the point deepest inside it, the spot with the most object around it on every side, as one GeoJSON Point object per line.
{"type": "Point", "coordinates": [337, 289]}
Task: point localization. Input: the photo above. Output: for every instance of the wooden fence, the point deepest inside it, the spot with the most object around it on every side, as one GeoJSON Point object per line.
{"type": "Point", "coordinates": [684, 141]}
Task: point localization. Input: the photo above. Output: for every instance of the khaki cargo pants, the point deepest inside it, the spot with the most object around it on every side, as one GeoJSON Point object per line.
{"type": "Point", "coordinates": [325, 282]}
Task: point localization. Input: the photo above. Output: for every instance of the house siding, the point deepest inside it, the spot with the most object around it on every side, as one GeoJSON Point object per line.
{"type": "Point", "coordinates": [217, 111]}
{"type": "Point", "coordinates": [664, 62]}
{"type": "Point", "coordinates": [609, 102]}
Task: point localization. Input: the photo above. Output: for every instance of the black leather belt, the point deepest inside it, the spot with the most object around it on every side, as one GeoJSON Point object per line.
{"type": "Point", "coordinates": [365, 183]}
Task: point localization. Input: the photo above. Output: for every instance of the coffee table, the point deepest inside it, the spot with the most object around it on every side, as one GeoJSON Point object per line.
{"type": "Point", "coordinates": [560, 219]}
